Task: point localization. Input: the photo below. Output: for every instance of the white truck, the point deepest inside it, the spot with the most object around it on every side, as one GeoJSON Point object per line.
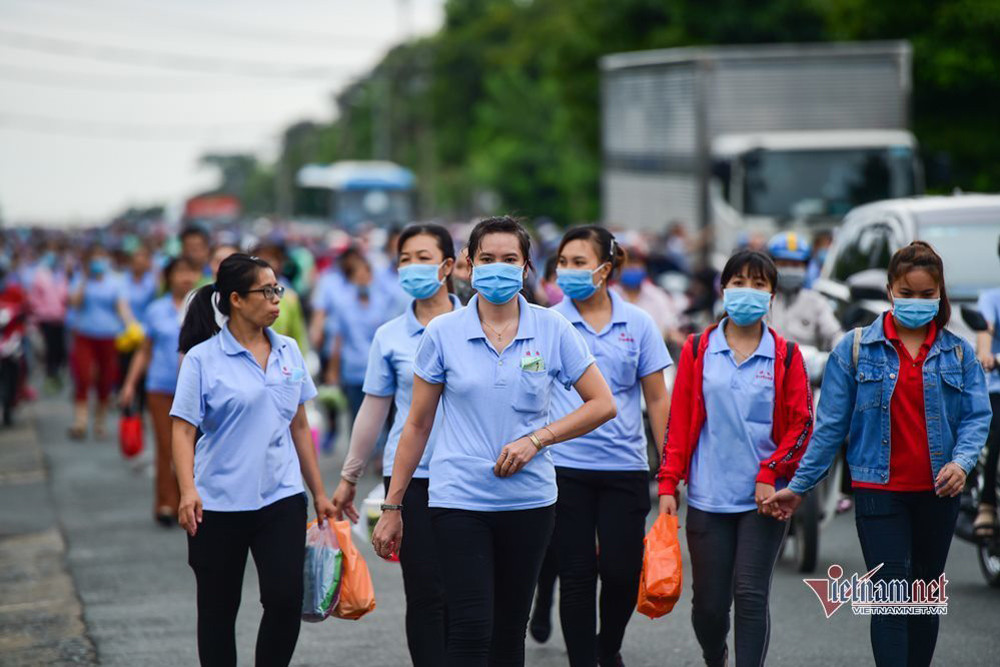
{"type": "Point", "coordinates": [744, 139]}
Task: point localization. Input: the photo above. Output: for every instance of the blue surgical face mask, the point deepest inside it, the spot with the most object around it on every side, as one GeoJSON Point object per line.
{"type": "Point", "coordinates": [745, 305]}
{"type": "Point", "coordinates": [915, 313]}
{"type": "Point", "coordinates": [98, 266]}
{"type": "Point", "coordinates": [632, 278]}
{"type": "Point", "coordinates": [577, 283]}
{"type": "Point", "coordinates": [420, 280]}
{"type": "Point", "coordinates": [498, 282]}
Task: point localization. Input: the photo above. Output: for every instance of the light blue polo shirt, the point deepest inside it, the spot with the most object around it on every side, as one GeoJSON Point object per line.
{"type": "Point", "coordinates": [628, 349]}
{"type": "Point", "coordinates": [490, 399]}
{"type": "Point", "coordinates": [390, 373]}
{"type": "Point", "coordinates": [329, 283]}
{"type": "Point", "coordinates": [356, 322]}
{"type": "Point", "coordinates": [989, 306]}
{"type": "Point", "coordinates": [162, 322]}
{"type": "Point", "coordinates": [736, 436]}
{"type": "Point", "coordinates": [140, 293]}
{"type": "Point", "coordinates": [97, 316]}
{"type": "Point", "coordinates": [245, 459]}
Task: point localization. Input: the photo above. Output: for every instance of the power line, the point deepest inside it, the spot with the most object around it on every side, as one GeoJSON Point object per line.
{"type": "Point", "coordinates": [115, 130]}
{"type": "Point", "coordinates": [162, 59]}
{"type": "Point", "coordinates": [119, 84]}
{"type": "Point", "coordinates": [206, 23]}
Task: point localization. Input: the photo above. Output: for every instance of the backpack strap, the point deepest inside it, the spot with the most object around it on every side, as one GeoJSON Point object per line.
{"type": "Point", "coordinates": [695, 346]}
{"type": "Point", "coordinates": [960, 351]}
{"type": "Point", "coordinates": [789, 351]}
{"type": "Point", "coordinates": [856, 348]}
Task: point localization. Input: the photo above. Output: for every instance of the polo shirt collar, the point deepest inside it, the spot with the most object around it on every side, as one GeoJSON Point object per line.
{"type": "Point", "coordinates": [568, 309]}
{"type": "Point", "coordinates": [717, 341]}
{"type": "Point", "coordinates": [892, 333]}
{"type": "Point", "coordinates": [473, 328]}
{"type": "Point", "coordinates": [413, 325]}
{"type": "Point", "coordinates": [232, 347]}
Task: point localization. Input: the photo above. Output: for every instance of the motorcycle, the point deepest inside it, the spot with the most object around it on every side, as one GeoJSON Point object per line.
{"type": "Point", "coordinates": [987, 549]}
{"type": "Point", "coordinates": [12, 328]}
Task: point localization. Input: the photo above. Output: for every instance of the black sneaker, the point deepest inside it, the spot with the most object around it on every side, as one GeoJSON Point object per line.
{"type": "Point", "coordinates": [615, 661]}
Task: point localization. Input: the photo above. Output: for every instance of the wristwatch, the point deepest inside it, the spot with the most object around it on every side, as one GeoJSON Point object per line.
{"type": "Point", "coordinates": [386, 506]}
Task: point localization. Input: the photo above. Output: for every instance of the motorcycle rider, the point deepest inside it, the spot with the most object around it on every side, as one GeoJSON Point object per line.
{"type": "Point", "coordinates": [803, 315]}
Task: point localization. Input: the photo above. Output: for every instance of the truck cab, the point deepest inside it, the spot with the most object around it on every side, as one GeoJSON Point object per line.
{"type": "Point", "coordinates": [807, 180]}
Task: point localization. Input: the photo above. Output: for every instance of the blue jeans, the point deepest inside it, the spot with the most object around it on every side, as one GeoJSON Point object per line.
{"type": "Point", "coordinates": [911, 534]}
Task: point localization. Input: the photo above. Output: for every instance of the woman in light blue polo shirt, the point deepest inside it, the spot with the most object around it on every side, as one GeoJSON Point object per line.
{"type": "Point", "coordinates": [158, 360]}
{"type": "Point", "coordinates": [492, 366]}
{"type": "Point", "coordinates": [603, 476]}
{"type": "Point", "coordinates": [101, 311]}
{"type": "Point", "coordinates": [426, 258]}
{"type": "Point", "coordinates": [241, 484]}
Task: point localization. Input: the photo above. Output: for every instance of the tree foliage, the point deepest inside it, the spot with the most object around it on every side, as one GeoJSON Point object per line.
{"type": "Point", "coordinates": [505, 97]}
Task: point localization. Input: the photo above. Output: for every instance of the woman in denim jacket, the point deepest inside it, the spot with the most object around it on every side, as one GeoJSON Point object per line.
{"type": "Point", "coordinates": [911, 398]}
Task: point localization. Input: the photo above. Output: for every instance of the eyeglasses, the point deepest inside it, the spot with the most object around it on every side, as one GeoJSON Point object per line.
{"type": "Point", "coordinates": [270, 292]}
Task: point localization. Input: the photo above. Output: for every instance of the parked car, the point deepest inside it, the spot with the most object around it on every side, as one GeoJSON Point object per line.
{"type": "Point", "coordinates": [963, 228]}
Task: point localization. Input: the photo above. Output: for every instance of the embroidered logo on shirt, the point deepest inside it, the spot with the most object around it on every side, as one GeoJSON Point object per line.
{"type": "Point", "coordinates": [764, 374]}
{"type": "Point", "coordinates": [623, 337]}
{"type": "Point", "coordinates": [532, 361]}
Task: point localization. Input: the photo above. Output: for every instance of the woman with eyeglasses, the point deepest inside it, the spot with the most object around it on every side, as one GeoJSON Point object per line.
{"type": "Point", "coordinates": [241, 484]}
{"type": "Point", "coordinates": [492, 367]}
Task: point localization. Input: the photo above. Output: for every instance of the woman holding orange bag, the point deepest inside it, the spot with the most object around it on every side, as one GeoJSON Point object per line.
{"type": "Point", "coordinates": [739, 423]}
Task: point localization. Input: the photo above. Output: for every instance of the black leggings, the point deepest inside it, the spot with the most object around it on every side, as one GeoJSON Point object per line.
{"type": "Point", "coordinates": [425, 612]}
{"type": "Point", "coordinates": [275, 534]}
{"type": "Point", "coordinates": [732, 559]}
{"type": "Point", "coordinates": [489, 563]}
{"type": "Point", "coordinates": [992, 455]}
{"type": "Point", "coordinates": [613, 506]}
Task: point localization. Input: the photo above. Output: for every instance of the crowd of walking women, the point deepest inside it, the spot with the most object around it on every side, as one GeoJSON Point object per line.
{"type": "Point", "coordinates": [513, 439]}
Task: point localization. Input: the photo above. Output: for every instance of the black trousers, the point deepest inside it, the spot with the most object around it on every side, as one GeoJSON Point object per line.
{"type": "Point", "coordinates": [992, 455]}
{"type": "Point", "coordinates": [911, 534]}
{"type": "Point", "coordinates": [611, 506]}
{"type": "Point", "coordinates": [732, 560]}
{"type": "Point", "coordinates": [489, 564]}
{"type": "Point", "coordinates": [275, 534]}
{"type": "Point", "coordinates": [425, 610]}
{"type": "Point", "coordinates": [54, 335]}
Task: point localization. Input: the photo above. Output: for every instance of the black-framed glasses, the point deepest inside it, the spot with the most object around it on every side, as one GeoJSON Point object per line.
{"type": "Point", "coordinates": [270, 291]}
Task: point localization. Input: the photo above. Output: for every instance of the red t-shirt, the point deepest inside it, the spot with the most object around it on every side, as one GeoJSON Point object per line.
{"type": "Point", "coordinates": [910, 453]}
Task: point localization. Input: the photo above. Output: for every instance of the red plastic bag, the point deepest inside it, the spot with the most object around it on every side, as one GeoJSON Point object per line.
{"type": "Point", "coordinates": [130, 433]}
{"type": "Point", "coordinates": [357, 594]}
{"type": "Point", "coordinates": [660, 583]}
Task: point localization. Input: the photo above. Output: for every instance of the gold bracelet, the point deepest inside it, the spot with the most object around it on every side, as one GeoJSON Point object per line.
{"type": "Point", "coordinates": [535, 441]}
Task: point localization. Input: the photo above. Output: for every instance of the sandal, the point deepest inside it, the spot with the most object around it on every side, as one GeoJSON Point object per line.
{"type": "Point", "coordinates": [984, 526]}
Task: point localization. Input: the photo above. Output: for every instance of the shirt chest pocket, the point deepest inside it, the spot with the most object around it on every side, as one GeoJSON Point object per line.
{"type": "Point", "coordinates": [533, 389]}
{"type": "Point", "coordinates": [869, 378]}
{"type": "Point", "coordinates": [759, 395]}
{"type": "Point", "coordinates": [952, 387]}
{"type": "Point", "coordinates": [623, 368]}
{"type": "Point", "coordinates": [285, 393]}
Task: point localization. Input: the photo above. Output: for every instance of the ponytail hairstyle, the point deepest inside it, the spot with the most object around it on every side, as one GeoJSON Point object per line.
{"type": "Point", "coordinates": [237, 274]}
{"type": "Point", "coordinates": [921, 256]}
{"type": "Point", "coordinates": [444, 242]}
{"type": "Point", "coordinates": [604, 242]}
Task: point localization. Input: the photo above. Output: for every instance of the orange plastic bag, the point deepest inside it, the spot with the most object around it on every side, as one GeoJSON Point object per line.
{"type": "Point", "coordinates": [357, 595]}
{"type": "Point", "coordinates": [660, 583]}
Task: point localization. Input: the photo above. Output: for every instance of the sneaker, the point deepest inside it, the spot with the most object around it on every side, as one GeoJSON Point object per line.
{"type": "Point", "coordinates": [540, 626]}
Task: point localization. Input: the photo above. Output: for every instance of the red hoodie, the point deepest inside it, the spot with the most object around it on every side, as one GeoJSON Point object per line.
{"type": "Point", "coordinates": [793, 414]}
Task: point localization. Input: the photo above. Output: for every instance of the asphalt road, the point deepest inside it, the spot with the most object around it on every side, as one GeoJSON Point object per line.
{"type": "Point", "coordinates": [138, 595]}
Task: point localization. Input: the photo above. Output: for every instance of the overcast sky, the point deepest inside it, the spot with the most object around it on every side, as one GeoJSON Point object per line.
{"type": "Point", "coordinates": [109, 103]}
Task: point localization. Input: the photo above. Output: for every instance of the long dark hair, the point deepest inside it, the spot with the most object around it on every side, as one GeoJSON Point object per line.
{"type": "Point", "coordinates": [605, 245]}
{"type": "Point", "coordinates": [921, 256]}
{"type": "Point", "coordinates": [237, 273]}
{"type": "Point", "coordinates": [444, 242]}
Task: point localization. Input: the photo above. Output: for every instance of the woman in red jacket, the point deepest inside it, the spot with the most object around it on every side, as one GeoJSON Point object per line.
{"type": "Point", "coordinates": [739, 423]}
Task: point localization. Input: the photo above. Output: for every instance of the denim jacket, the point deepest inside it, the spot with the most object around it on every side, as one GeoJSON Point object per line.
{"type": "Point", "coordinates": [855, 402]}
